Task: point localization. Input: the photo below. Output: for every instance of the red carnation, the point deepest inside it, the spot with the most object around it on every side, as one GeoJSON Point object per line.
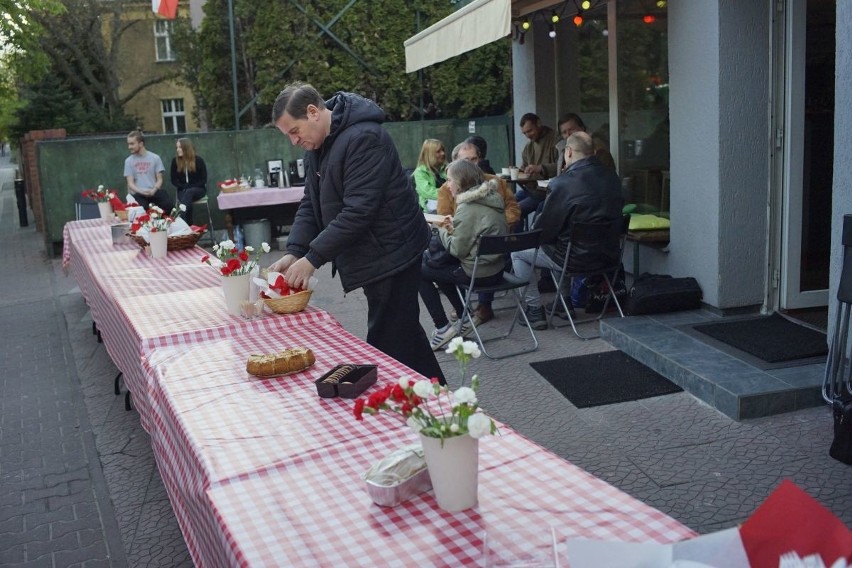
{"type": "Point", "coordinates": [225, 271]}
{"type": "Point", "coordinates": [359, 409]}
{"type": "Point", "coordinates": [244, 255]}
{"type": "Point", "coordinates": [234, 265]}
{"type": "Point", "coordinates": [205, 258]}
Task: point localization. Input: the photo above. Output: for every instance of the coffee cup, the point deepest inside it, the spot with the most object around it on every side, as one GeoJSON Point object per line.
{"type": "Point", "coordinates": [513, 173]}
{"type": "Point", "coordinates": [506, 172]}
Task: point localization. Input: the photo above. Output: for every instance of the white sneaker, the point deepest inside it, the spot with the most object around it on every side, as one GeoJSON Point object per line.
{"type": "Point", "coordinates": [442, 337]}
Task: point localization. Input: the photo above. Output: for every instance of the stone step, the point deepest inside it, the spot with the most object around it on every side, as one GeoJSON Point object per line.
{"type": "Point", "coordinates": [733, 386]}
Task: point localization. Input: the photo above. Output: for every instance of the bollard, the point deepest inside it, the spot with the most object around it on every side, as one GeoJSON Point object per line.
{"type": "Point", "coordinates": [21, 197]}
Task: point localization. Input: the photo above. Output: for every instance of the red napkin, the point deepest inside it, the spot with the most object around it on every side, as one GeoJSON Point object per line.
{"type": "Point", "coordinates": [197, 229]}
{"type": "Point", "coordinates": [117, 204]}
{"type": "Point", "coordinates": [791, 520]}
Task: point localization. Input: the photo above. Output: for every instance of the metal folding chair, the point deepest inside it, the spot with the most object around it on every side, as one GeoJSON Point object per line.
{"type": "Point", "coordinates": [837, 383]}
{"type": "Point", "coordinates": [206, 203]}
{"type": "Point", "coordinates": [501, 245]}
{"type": "Point", "coordinates": [614, 232]}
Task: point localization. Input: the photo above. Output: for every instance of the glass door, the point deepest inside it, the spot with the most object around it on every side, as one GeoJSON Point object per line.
{"type": "Point", "coordinates": [808, 152]}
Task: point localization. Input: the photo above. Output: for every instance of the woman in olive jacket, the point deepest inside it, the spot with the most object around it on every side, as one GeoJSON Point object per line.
{"type": "Point", "coordinates": [479, 211]}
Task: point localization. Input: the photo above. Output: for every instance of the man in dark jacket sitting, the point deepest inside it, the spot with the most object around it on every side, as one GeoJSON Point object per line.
{"type": "Point", "coordinates": [586, 192]}
{"type": "Point", "coordinates": [360, 213]}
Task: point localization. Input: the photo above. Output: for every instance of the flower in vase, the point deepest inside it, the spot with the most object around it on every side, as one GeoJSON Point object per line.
{"type": "Point", "coordinates": [155, 220]}
{"type": "Point", "coordinates": [233, 261]}
{"type": "Point", "coordinates": [101, 195]}
{"type": "Point", "coordinates": [432, 409]}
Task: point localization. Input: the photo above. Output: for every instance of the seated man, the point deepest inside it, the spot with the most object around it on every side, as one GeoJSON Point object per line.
{"type": "Point", "coordinates": [468, 151]}
{"type": "Point", "coordinates": [143, 171]}
{"type": "Point", "coordinates": [538, 160]}
{"type": "Point", "coordinates": [586, 192]}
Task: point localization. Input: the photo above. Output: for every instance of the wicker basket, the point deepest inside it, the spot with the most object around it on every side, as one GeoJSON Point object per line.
{"type": "Point", "coordinates": [234, 188]}
{"type": "Point", "coordinates": [290, 304]}
{"type": "Point", "coordinates": [173, 243]}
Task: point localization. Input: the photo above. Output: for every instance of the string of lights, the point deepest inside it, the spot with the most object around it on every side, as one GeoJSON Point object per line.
{"type": "Point", "coordinates": [573, 9]}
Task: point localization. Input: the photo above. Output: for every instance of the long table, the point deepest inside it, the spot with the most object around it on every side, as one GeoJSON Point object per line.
{"type": "Point", "coordinates": [263, 472]}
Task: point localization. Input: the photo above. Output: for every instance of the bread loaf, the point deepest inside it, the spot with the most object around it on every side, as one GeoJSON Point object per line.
{"type": "Point", "coordinates": [283, 363]}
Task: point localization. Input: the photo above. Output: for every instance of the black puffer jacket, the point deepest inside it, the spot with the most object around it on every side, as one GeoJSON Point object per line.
{"type": "Point", "coordinates": [586, 192]}
{"type": "Point", "coordinates": [359, 209]}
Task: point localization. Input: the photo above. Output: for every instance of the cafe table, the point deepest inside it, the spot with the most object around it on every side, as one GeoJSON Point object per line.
{"type": "Point", "coordinates": [257, 197]}
{"type": "Point", "coordinates": [139, 303]}
{"type": "Point", "coordinates": [263, 472]}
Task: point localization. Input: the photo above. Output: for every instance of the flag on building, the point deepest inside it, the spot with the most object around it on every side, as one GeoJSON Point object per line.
{"type": "Point", "coordinates": [165, 8]}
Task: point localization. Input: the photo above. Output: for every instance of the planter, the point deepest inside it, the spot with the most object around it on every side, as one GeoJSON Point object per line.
{"type": "Point", "coordinates": [105, 209]}
{"type": "Point", "coordinates": [236, 290]}
{"type": "Point", "coordinates": [159, 243]}
{"type": "Point", "coordinates": [454, 470]}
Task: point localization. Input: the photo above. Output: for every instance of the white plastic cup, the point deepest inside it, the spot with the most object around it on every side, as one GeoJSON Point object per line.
{"type": "Point", "coordinates": [507, 172]}
{"type": "Point", "coordinates": [513, 173]}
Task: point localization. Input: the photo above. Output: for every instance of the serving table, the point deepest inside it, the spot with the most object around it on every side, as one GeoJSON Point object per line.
{"type": "Point", "coordinates": [263, 472]}
{"type": "Point", "coordinates": [256, 198]}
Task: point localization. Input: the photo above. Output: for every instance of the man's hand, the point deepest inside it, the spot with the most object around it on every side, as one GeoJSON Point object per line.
{"type": "Point", "coordinates": [282, 264]}
{"type": "Point", "coordinates": [532, 169]}
{"type": "Point", "coordinates": [298, 275]}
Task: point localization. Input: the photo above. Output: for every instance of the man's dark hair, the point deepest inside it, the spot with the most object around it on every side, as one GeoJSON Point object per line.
{"type": "Point", "coordinates": [480, 143]}
{"type": "Point", "coordinates": [137, 135]}
{"type": "Point", "coordinates": [529, 117]}
{"type": "Point", "coordinates": [573, 117]}
{"type": "Point", "coordinates": [294, 100]}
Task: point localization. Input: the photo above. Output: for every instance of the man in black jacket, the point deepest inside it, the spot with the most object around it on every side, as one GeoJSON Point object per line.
{"type": "Point", "coordinates": [359, 213]}
{"type": "Point", "coordinates": [586, 192]}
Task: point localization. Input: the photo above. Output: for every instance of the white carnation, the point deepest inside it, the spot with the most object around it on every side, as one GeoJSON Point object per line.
{"type": "Point", "coordinates": [249, 248]}
{"type": "Point", "coordinates": [453, 344]}
{"type": "Point", "coordinates": [465, 395]}
{"type": "Point", "coordinates": [479, 425]}
{"type": "Point", "coordinates": [423, 388]}
{"type": "Point", "coordinates": [265, 247]}
{"type": "Point", "coordinates": [404, 382]}
{"type": "Point", "coordinates": [182, 207]}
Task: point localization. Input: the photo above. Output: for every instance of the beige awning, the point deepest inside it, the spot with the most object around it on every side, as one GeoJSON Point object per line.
{"type": "Point", "coordinates": [474, 25]}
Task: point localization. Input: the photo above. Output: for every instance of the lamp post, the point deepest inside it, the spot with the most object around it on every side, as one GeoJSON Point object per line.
{"type": "Point", "coordinates": [233, 64]}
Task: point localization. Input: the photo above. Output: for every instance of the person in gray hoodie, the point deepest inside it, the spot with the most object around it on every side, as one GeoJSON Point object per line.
{"type": "Point", "coordinates": [479, 211]}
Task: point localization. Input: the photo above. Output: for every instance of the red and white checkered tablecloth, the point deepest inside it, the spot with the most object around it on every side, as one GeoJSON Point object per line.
{"type": "Point", "coordinates": [263, 472]}
{"type": "Point", "coordinates": [139, 303]}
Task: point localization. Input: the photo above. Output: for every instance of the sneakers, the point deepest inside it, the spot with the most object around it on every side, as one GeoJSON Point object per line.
{"type": "Point", "coordinates": [560, 311]}
{"type": "Point", "coordinates": [482, 314]}
{"type": "Point", "coordinates": [536, 316]}
{"type": "Point", "coordinates": [441, 337]}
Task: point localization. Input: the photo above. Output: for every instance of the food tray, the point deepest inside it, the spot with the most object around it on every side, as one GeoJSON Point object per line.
{"type": "Point", "coordinates": [398, 477]}
{"type": "Point", "coordinates": [173, 243]}
{"type": "Point", "coordinates": [290, 304]}
{"type": "Point", "coordinates": [234, 188]}
{"type": "Point", "coordinates": [349, 384]}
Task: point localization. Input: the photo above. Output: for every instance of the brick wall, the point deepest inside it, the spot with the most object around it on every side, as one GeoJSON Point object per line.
{"type": "Point", "coordinates": [29, 170]}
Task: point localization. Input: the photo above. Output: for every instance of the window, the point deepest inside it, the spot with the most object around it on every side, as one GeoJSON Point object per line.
{"type": "Point", "coordinates": [163, 40]}
{"type": "Point", "coordinates": [174, 117]}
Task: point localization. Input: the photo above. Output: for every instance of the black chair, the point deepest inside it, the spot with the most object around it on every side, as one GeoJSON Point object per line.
{"type": "Point", "coordinates": [585, 235]}
{"type": "Point", "coordinates": [501, 245]}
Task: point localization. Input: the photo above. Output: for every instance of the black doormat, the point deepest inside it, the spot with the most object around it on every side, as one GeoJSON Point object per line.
{"type": "Point", "coordinates": [603, 378]}
{"type": "Point", "coordinates": [770, 338]}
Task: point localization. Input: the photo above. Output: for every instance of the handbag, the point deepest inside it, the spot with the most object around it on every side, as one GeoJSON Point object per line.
{"type": "Point", "coordinates": [660, 293]}
{"type": "Point", "coordinates": [436, 256]}
{"type": "Point", "coordinates": [841, 446]}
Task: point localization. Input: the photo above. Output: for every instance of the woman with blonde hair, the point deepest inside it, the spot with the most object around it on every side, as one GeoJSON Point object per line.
{"type": "Point", "coordinates": [430, 173]}
{"type": "Point", "coordinates": [188, 175]}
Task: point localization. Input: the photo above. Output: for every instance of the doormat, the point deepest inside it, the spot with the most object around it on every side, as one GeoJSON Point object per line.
{"type": "Point", "coordinates": [773, 339]}
{"type": "Point", "coordinates": [603, 378]}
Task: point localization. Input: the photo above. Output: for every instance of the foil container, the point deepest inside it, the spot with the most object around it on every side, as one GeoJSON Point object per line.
{"type": "Point", "coordinates": [399, 477]}
{"type": "Point", "coordinates": [119, 233]}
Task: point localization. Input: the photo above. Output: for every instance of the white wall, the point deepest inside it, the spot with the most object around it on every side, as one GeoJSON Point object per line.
{"type": "Point", "coordinates": [842, 194]}
{"type": "Point", "coordinates": [719, 111]}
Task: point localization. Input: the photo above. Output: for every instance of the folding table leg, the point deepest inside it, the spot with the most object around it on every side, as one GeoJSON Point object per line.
{"type": "Point", "coordinates": [116, 386]}
{"type": "Point", "coordinates": [127, 405]}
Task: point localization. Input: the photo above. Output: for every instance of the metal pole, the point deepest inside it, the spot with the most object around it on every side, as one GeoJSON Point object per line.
{"type": "Point", "coordinates": [233, 64]}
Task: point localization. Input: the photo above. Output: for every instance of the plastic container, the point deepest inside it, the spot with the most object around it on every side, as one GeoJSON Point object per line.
{"type": "Point", "coordinates": [257, 232]}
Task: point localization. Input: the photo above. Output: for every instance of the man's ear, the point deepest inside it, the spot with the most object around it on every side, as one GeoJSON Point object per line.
{"type": "Point", "coordinates": [312, 111]}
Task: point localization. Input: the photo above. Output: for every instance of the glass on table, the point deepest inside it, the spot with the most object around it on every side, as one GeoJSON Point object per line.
{"type": "Point", "coordinates": [251, 310]}
{"type": "Point", "coordinates": [521, 548]}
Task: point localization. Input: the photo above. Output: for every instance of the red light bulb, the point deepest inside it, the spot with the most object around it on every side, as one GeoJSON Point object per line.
{"type": "Point", "coordinates": [578, 20]}
{"type": "Point", "coordinates": [649, 19]}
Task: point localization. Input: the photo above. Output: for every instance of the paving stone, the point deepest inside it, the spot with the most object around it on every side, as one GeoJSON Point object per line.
{"type": "Point", "coordinates": [10, 555]}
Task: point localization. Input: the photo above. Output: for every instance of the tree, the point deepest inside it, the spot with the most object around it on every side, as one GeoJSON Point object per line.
{"type": "Point", "coordinates": [82, 53]}
{"type": "Point", "coordinates": [278, 41]}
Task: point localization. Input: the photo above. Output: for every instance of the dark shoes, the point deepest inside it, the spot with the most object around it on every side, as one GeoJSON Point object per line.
{"type": "Point", "coordinates": [535, 314]}
{"type": "Point", "coordinates": [482, 314]}
{"type": "Point", "coordinates": [560, 311]}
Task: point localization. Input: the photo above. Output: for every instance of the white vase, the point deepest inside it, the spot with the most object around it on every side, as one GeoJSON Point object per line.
{"type": "Point", "coordinates": [105, 209]}
{"type": "Point", "coordinates": [454, 470]}
{"type": "Point", "coordinates": [159, 242]}
{"type": "Point", "coordinates": [236, 290]}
